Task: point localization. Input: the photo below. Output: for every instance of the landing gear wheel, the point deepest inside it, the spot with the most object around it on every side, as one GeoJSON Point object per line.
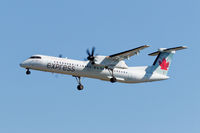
{"type": "Point", "coordinates": [113, 80]}
{"type": "Point", "coordinates": [28, 72]}
{"type": "Point", "coordinates": [80, 87]}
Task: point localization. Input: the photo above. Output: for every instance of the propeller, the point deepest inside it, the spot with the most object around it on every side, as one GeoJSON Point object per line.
{"type": "Point", "coordinates": [60, 56]}
{"type": "Point", "coordinates": [91, 56]}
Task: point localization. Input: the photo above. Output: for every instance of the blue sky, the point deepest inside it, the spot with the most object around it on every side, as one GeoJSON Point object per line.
{"type": "Point", "coordinates": [45, 102]}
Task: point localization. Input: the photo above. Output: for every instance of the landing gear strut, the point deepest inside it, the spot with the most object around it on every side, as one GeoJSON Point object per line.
{"type": "Point", "coordinates": [113, 79]}
{"type": "Point", "coordinates": [28, 71]}
{"type": "Point", "coordinates": [80, 86]}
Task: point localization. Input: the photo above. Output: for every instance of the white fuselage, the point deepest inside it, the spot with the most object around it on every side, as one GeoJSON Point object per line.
{"type": "Point", "coordinates": [86, 69]}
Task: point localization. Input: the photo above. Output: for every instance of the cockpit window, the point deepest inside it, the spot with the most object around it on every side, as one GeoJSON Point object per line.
{"type": "Point", "coordinates": [35, 57]}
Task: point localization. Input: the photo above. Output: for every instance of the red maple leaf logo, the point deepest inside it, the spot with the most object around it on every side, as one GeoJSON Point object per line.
{"type": "Point", "coordinates": [164, 64]}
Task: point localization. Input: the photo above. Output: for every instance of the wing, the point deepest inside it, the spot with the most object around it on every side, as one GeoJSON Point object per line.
{"type": "Point", "coordinates": [127, 54]}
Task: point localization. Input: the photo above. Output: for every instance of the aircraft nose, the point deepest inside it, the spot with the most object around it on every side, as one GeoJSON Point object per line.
{"type": "Point", "coordinates": [21, 64]}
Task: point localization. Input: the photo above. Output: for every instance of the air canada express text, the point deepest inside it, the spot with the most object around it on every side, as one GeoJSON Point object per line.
{"type": "Point", "coordinates": [61, 67]}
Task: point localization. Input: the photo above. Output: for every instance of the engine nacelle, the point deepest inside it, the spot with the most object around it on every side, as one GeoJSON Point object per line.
{"type": "Point", "coordinates": [110, 63]}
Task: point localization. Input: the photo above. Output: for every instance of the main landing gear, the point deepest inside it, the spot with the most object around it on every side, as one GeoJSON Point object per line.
{"type": "Point", "coordinates": [80, 86]}
{"type": "Point", "coordinates": [113, 79]}
{"type": "Point", "coordinates": [28, 71]}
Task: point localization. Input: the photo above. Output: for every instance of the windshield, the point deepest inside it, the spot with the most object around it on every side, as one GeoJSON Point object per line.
{"type": "Point", "coordinates": [35, 57]}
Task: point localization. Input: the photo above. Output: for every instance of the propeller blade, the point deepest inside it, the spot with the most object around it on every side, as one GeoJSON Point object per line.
{"type": "Point", "coordinates": [60, 56]}
{"type": "Point", "coordinates": [88, 52]}
{"type": "Point", "coordinates": [93, 49]}
{"type": "Point", "coordinates": [91, 56]}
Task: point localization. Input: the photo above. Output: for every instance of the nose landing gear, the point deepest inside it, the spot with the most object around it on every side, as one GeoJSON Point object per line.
{"type": "Point", "coordinates": [80, 86]}
{"type": "Point", "coordinates": [28, 72]}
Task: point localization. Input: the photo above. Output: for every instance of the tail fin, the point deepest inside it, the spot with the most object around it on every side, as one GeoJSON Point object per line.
{"type": "Point", "coordinates": [164, 58]}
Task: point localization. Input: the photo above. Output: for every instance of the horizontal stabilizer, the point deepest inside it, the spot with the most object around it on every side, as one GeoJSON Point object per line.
{"type": "Point", "coordinates": [167, 50]}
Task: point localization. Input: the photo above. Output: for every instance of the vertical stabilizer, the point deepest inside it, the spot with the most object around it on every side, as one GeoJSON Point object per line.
{"type": "Point", "coordinates": [164, 58]}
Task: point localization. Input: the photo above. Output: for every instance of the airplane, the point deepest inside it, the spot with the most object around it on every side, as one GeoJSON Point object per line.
{"type": "Point", "coordinates": [108, 68]}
